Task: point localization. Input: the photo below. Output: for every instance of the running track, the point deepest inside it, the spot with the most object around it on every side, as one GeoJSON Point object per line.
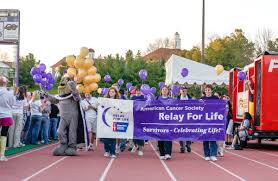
{"type": "Point", "coordinates": [259, 162]}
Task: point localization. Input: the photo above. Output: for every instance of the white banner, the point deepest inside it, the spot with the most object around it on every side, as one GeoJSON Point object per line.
{"type": "Point", "coordinates": [11, 30]}
{"type": "Point", "coordinates": [115, 118]}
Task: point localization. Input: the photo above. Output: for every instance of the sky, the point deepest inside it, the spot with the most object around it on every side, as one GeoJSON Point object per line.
{"type": "Point", "coordinates": [52, 29]}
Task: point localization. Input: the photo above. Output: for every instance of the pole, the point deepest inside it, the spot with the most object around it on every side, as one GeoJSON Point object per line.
{"type": "Point", "coordinates": [17, 54]}
{"type": "Point", "coordinates": [203, 34]}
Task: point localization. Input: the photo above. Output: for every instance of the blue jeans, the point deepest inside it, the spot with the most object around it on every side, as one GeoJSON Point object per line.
{"type": "Point", "coordinates": [45, 129]}
{"type": "Point", "coordinates": [34, 130]}
{"type": "Point", "coordinates": [26, 128]}
{"type": "Point", "coordinates": [53, 128]}
{"type": "Point", "coordinates": [110, 145]}
{"type": "Point", "coordinates": [210, 148]}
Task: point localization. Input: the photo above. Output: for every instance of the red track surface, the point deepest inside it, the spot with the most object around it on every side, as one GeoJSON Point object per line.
{"type": "Point", "coordinates": [259, 162]}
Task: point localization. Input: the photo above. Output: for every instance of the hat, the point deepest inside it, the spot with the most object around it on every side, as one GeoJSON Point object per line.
{"type": "Point", "coordinates": [183, 87]}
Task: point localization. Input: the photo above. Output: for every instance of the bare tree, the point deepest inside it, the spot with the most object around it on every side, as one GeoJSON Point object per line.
{"type": "Point", "coordinates": [263, 38]}
{"type": "Point", "coordinates": [160, 43]}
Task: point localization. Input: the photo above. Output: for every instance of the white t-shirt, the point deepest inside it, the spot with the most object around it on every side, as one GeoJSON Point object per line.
{"type": "Point", "coordinates": [35, 108]}
{"type": "Point", "coordinates": [184, 98]}
{"type": "Point", "coordinates": [18, 106]}
{"type": "Point", "coordinates": [89, 113]}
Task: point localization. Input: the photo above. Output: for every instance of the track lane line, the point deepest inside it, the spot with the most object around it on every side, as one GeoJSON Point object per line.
{"type": "Point", "coordinates": [45, 168]}
{"type": "Point", "coordinates": [104, 174]}
{"type": "Point", "coordinates": [173, 178]}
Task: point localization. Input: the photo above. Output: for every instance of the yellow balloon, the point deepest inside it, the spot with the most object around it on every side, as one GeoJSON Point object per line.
{"type": "Point", "coordinates": [97, 77]}
{"type": "Point", "coordinates": [99, 90]}
{"type": "Point", "coordinates": [70, 60]}
{"type": "Point", "coordinates": [92, 70]}
{"type": "Point", "coordinates": [93, 86]}
{"type": "Point", "coordinates": [78, 79]}
{"type": "Point", "coordinates": [82, 73]}
{"type": "Point", "coordinates": [80, 88]}
{"type": "Point", "coordinates": [88, 79]}
{"type": "Point", "coordinates": [87, 89]}
{"type": "Point", "coordinates": [79, 62]}
{"type": "Point", "coordinates": [88, 63]}
{"type": "Point", "coordinates": [71, 72]}
{"type": "Point", "coordinates": [219, 69]}
{"type": "Point", "coordinates": [84, 52]}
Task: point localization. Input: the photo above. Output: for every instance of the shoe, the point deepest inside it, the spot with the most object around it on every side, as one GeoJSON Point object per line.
{"type": "Point", "coordinates": [207, 158]}
{"type": "Point", "coordinates": [146, 143]}
{"type": "Point", "coordinates": [168, 157]}
{"type": "Point", "coordinates": [162, 157]}
{"type": "Point", "coordinates": [188, 149]}
{"type": "Point", "coordinates": [106, 154]}
{"type": "Point", "coordinates": [117, 150]}
{"type": "Point", "coordinates": [220, 154]}
{"type": "Point", "coordinates": [3, 159]}
{"type": "Point", "coordinates": [213, 158]}
{"type": "Point", "coordinates": [140, 153]}
{"type": "Point", "coordinates": [113, 156]}
{"type": "Point", "coordinates": [133, 149]}
{"type": "Point", "coordinates": [230, 148]}
{"type": "Point", "coordinates": [182, 151]}
{"type": "Point", "coordinates": [21, 144]}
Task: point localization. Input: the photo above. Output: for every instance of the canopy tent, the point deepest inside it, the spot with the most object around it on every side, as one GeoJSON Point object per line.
{"type": "Point", "coordinates": [198, 73]}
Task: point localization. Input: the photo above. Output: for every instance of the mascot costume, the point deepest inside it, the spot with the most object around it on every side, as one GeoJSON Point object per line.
{"type": "Point", "coordinates": [72, 128]}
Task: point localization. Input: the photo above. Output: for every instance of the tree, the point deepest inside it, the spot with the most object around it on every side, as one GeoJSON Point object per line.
{"type": "Point", "coordinates": [263, 38]}
{"type": "Point", "coordinates": [25, 65]}
{"type": "Point", "coordinates": [160, 43]}
{"type": "Point", "coordinates": [193, 54]}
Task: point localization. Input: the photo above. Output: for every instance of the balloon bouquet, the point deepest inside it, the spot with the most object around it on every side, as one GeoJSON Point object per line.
{"type": "Point", "coordinates": [40, 77]}
{"type": "Point", "coordinates": [83, 72]}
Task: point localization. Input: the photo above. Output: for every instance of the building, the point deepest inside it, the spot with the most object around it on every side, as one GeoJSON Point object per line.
{"type": "Point", "coordinates": [6, 68]}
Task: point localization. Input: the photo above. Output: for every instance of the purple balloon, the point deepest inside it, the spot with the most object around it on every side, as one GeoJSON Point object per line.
{"type": "Point", "coordinates": [145, 89]}
{"type": "Point", "coordinates": [48, 86]}
{"type": "Point", "coordinates": [104, 91]}
{"type": "Point", "coordinates": [37, 78]}
{"type": "Point", "coordinates": [143, 74]}
{"type": "Point", "coordinates": [49, 76]}
{"type": "Point", "coordinates": [175, 89]}
{"type": "Point", "coordinates": [161, 84]}
{"type": "Point", "coordinates": [43, 75]}
{"type": "Point", "coordinates": [35, 71]}
{"type": "Point", "coordinates": [120, 82]}
{"type": "Point", "coordinates": [153, 90]}
{"type": "Point", "coordinates": [184, 72]}
{"type": "Point", "coordinates": [131, 88]}
{"type": "Point", "coordinates": [241, 75]}
{"type": "Point", "coordinates": [42, 67]}
{"type": "Point", "coordinates": [51, 81]}
{"type": "Point", "coordinates": [107, 78]}
{"type": "Point", "coordinates": [128, 85]}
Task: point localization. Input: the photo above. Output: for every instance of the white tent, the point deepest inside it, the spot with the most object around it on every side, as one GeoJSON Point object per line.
{"type": "Point", "coordinates": [198, 73]}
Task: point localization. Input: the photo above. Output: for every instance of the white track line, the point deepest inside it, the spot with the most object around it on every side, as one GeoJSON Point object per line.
{"type": "Point", "coordinates": [219, 166]}
{"type": "Point", "coordinates": [45, 168]}
{"type": "Point", "coordinates": [261, 163]}
{"type": "Point", "coordinates": [28, 152]}
{"type": "Point", "coordinates": [173, 178]}
{"type": "Point", "coordinates": [263, 152]}
{"type": "Point", "coordinates": [106, 170]}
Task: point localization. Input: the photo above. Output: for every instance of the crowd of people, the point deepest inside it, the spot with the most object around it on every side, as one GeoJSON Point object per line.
{"type": "Point", "coordinates": [29, 118]}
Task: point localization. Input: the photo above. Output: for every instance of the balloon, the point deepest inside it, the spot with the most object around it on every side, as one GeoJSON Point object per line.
{"type": "Point", "coordinates": [143, 74]}
{"type": "Point", "coordinates": [81, 73]}
{"type": "Point", "coordinates": [71, 72]}
{"type": "Point", "coordinates": [88, 79]}
{"type": "Point", "coordinates": [80, 88]}
{"type": "Point", "coordinates": [128, 85]}
{"type": "Point", "coordinates": [88, 63]}
{"type": "Point", "coordinates": [70, 60]}
{"type": "Point", "coordinates": [48, 76]}
{"type": "Point", "coordinates": [107, 78]}
{"type": "Point", "coordinates": [145, 89]}
{"type": "Point", "coordinates": [131, 88]}
{"type": "Point", "coordinates": [175, 89]}
{"type": "Point", "coordinates": [87, 89]}
{"type": "Point", "coordinates": [184, 72]}
{"type": "Point", "coordinates": [93, 86]}
{"type": "Point", "coordinates": [92, 70]}
{"type": "Point", "coordinates": [97, 77]}
{"type": "Point", "coordinates": [79, 62]}
{"type": "Point", "coordinates": [43, 74]}
{"type": "Point", "coordinates": [153, 90]}
{"type": "Point", "coordinates": [219, 69]}
{"type": "Point", "coordinates": [84, 52]}
{"type": "Point", "coordinates": [42, 67]}
{"type": "Point", "coordinates": [78, 79]}
{"type": "Point", "coordinates": [161, 84]}
{"type": "Point", "coordinates": [241, 75]}
{"type": "Point", "coordinates": [48, 86]}
{"type": "Point", "coordinates": [35, 71]}
{"type": "Point", "coordinates": [37, 78]}
{"type": "Point", "coordinates": [120, 82]}
{"type": "Point", "coordinates": [104, 91]}
{"type": "Point", "coordinates": [99, 90]}
{"type": "Point", "coordinates": [51, 80]}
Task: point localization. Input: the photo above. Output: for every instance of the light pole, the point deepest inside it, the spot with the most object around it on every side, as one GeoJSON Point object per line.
{"type": "Point", "coordinates": [203, 34]}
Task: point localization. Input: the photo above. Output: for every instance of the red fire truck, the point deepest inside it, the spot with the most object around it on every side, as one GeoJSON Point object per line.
{"type": "Point", "coordinates": [258, 95]}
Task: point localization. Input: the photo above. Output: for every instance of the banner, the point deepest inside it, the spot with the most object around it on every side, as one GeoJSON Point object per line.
{"type": "Point", "coordinates": [242, 104]}
{"type": "Point", "coordinates": [168, 120]}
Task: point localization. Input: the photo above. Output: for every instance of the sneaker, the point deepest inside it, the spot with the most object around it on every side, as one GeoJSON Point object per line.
{"type": "Point", "coordinates": [106, 154]}
{"type": "Point", "coordinates": [90, 148]}
{"type": "Point", "coordinates": [182, 151]}
{"type": "Point", "coordinates": [213, 158]}
{"type": "Point", "coordinates": [133, 149]}
{"type": "Point", "coordinates": [130, 148]}
{"type": "Point", "coordinates": [140, 153]}
{"type": "Point", "coordinates": [162, 157]}
{"type": "Point", "coordinates": [220, 154]}
{"type": "Point", "coordinates": [207, 158]}
{"type": "Point", "coordinates": [188, 149]}
{"type": "Point", "coordinates": [21, 144]}
{"type": "Point", "coordinates": [168, 157]}
{"type": "Point", "coordinates": [113, 156]}
{"type": "Point", "coordinates": [3, 159]}
{"type": "Point", "coordinates": [146, 143]}
{"type": "Point", "coordinates": [230, 148]}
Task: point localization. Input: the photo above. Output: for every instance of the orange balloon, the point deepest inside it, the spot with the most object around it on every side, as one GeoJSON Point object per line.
{"type": "Point", "coordinates": [88, 79]}
{"type": "Point", "coordinates": [87, 89]}
{"type": "Point", "coordinates": [93, 86]}
{"type": "Point", "coordinates": [78, 79]}
{"type": "Point", "coordinates": [80, 88]}
{"type": "Point", "coordinates": [70, 60]}
{"type": "Point", "coordinates": [92, 70]}
{"type": "Point", "coordinates": [79, 62]}
{"type": "Point", "coordinates": [88, 63]}
{"type": "Point", "coordinates": [97, 77]}
{"type": "Point", "coordinates": [71, 72]}
{"type": "Point", "coordinates": [82, 73]}
{"type": "Point", "coordinates": [84, 52]}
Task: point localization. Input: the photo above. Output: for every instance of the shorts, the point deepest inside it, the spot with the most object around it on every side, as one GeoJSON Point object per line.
{"type": "Point", "coordinates": [229, 130]}
{"type": "Point", "coordinates": [6, 121]}
{"type": "Point", "coordinates": [91, 125]}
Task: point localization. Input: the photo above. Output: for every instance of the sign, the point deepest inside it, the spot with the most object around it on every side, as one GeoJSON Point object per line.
{"type": "Point", "coordinates": [242, 104]}
{"type": "Point", "coordinates": [9, 25]}
{"type": "Point", "coordinates": [171, 120]}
